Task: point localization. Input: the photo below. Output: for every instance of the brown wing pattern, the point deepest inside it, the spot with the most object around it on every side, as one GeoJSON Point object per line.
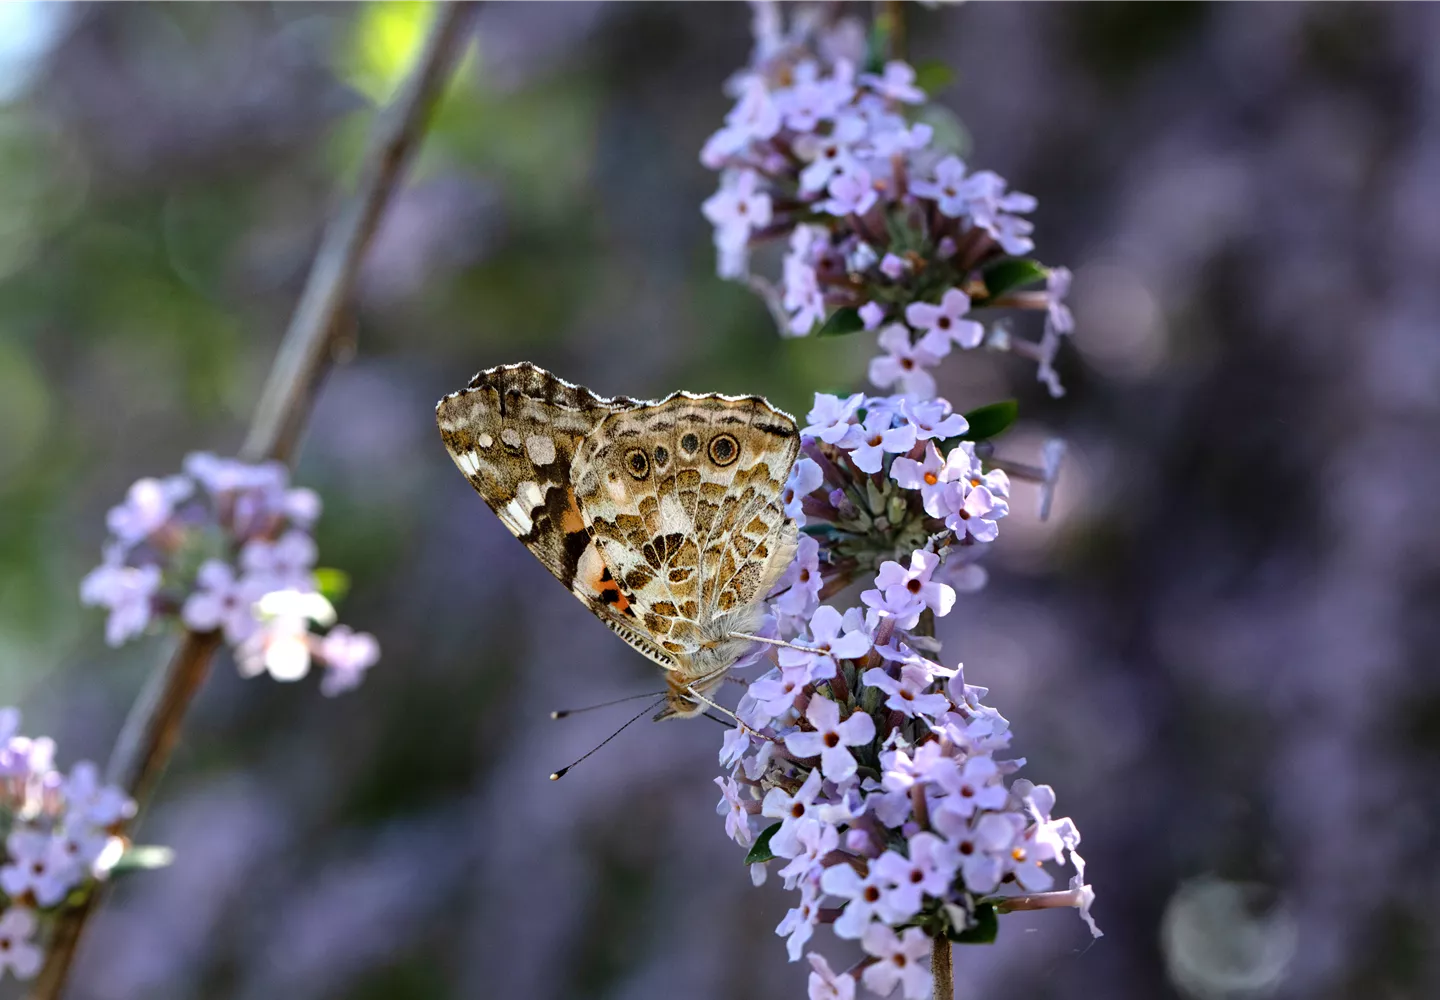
{"type": "Point", "coordinates": [513, 432]}
{"type": "Point", "coordinates": [682, 498]}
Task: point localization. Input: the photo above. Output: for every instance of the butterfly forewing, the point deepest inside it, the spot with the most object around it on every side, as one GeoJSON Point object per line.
{"type": "Point", "coordinates": [513, 433]}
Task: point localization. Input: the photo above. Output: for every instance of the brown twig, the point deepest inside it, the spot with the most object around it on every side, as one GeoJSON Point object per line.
{"type": "Point", "coordinates": [153, 726]}
{"type": "Point", "coordinates": [942, 969]}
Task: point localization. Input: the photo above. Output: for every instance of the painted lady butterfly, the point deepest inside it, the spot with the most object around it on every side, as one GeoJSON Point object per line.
{"type": "Point", "coordinates": [664, 518]}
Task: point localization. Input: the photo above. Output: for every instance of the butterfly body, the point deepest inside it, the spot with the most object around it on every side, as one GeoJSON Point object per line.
{"type": "Point", "coordinates": [664, 518]}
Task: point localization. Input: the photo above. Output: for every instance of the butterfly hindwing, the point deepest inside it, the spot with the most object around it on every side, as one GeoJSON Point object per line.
{"type": "Point", "coordinates": [683, 499]}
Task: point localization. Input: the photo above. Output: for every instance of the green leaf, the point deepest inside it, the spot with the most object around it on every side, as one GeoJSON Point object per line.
{"type": "Point", "coordinates": [761, 851]}
{"type": "Point", "coordinates": [933, 76]}
{"type": "Point", "coordinates": [982, 931]}
{"type": "Point", "coordinates": [143, 857]}
{"type": "Point", "coordinates": [841, 322]}
{"type": "Point", "coordinates": [1012, 272]}
{"type": "Point", "coordinates": [988, 421]}
{"type": "Point", "coordinates": [333, 584]}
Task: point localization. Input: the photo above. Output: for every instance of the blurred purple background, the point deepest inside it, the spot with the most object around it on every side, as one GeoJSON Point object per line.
{"type": "Point", "coordinates": [1220, 650]}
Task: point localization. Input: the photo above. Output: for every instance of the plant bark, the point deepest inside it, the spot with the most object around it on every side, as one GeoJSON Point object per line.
{"type": "Point", "coordinates": [152, 728]}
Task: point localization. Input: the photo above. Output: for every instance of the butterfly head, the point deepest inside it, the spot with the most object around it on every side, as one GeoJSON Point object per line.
{"type": "Point", "coordinates": [687, 699]}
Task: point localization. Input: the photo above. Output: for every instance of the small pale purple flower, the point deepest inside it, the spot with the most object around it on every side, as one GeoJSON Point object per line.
{"type": "Point", "coordinates": [975, 786]}
{"type": "Point", "coordinates": [733, 808]}
{"type": "Point", "coordinates": [824, 984]}
{"type": "Point", "coordinates": [816, 840]}
{"type": "Point", "coordinates": [895, 602]}
{"type": "Point", "coordinates": [976, 515]}
{"type": "Point", "coordinates": [868, 442]}
{"type": "Point", "coordinates": [831, 418]}
{"type": "Point", "coordinates": [897, 83]}
{"type": "Point", "coordinates": [903, 365]}
{"type": "Point", "coordinates": [149, 503]}
{"type": "Point", "coordinates": [284, 564]}
{"type": "Point", "coordinates": [1057, 287]}
{"type": "Point", "coordinates": [128, 592]}
{"type": "Point", "coordinates": [39, 864]}
{"type": "Point", "coordinates": [222, 601]}
{"type": "Point", "coordinates": [347, 655]}
{"type": "Point", "coordinates": [927, 476]}
{"type": "Point", "coordinates": [872, 314]}
{"type": "Point", "coordinates": [938, 597]}
{"type": "Point", "coordinates": [91, 802]}
{"type": "Point", "coordinates": [851, 193]}
{"type": "Point", "coordinates": [944, 323]}
{"type": "Point", "coordinates": [20, 955]}
{"type": "Point", "coordinates": [907, 695]}
{"type": "Point", "coordinates": [868, 896]}
{"type": "Point", "coordinates": [933, 419]}
{"type": "Point", "coordinates": [799, 922]}
{"type": "Point", "coordinates": [949, 188]}
{"type": "Point", "coordinates": [832, 739]}
{"type": "Point", "coordinates": [791, 810]}
{"type": "Point", "coordinates": [805, 478]}
{"type": "Point", "coordinates": [738, 208]}
{"type": "Point", "coordinates": [901, 961]}
{"type": "Point", "coordinates": [826, 646]}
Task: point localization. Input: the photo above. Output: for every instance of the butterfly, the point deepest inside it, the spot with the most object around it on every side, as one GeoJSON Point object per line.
{"type": "Point", "coordinates": [663, 517]}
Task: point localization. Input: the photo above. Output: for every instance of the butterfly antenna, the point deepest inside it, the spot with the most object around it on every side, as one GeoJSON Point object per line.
{"type": "Point", "coordinates": [715, 718]}
{"type": "Point", "coordinates": [565, 713]}
{"type": "Point", "coordinates": [564, 770]}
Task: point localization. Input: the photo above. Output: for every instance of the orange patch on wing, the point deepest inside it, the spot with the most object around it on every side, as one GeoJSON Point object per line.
{"type": "Point", "coordinates": [594, 581]}
{"type": "Point", "coordinates": [572, 521]}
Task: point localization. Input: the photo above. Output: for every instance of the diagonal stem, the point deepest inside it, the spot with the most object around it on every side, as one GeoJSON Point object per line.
{"type": "Point", "coordinates": [152, 729]}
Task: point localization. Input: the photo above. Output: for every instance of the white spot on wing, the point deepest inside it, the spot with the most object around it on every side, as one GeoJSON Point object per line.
{"type": "Point", "coordinates": [517, 518]}
{"type": "Point", "coordinates": [673, 517]}
{"type": "Point", "coordinates": [485, 439]}
{"type": "Point", "coordinates": [540, 448]}
{"type": "Point", "coordinates": [469, 462]}
{"type": "Point", "coordinates": [511, 437]}
{"type": "Point", "coordinates": [529, 493]}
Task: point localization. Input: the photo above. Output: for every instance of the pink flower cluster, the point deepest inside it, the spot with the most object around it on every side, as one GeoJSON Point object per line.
{"type": "Point", "coordinates": [225, 546]}
{"type": "Point", "coordinates": [860, 767]}
{"type": "Point", "coordinates": [868, 772]}
{"type": "Point", "coordinates": [60, 835]}
{"type": "Point", "coordinates": [883, 480]}
{"type": "Point", "coordinates": [887, 229]}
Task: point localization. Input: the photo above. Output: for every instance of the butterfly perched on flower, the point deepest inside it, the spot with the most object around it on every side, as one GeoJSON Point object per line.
{"type": "Point", "coordinates": [664, 518]}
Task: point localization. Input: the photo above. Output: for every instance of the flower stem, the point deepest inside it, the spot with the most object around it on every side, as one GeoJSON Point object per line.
{"type": "Point", "coordinates": [942, 969]}
{"type": "Point", "coordinates": [890, 14]}
{"type": "Point", "coordinates": [153, 726]}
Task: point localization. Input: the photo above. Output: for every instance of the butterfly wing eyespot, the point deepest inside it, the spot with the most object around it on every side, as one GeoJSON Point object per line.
{"type": "Point", "coordinates": [689, 443]}
{"type": "Point", "coordinates": [637, 463]}
{"type": "Point", "coordinates": [724, 449]}
{"type": "Point", "coordinates": [662, 456]}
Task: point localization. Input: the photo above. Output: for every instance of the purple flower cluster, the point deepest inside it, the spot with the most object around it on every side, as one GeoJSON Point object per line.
{"type": "Point", "coordinates": [869, 771]}
{"type": "Point", "coordinates": [887, 230]}
{"type": "Point", "coordinates": [883, 480]}
{"type": "Point", "coordinates": [226, 546]}
{"type": "Point", "coordinates": [860, 767]}
{"type": "Point", "coordinates": [61, 833]}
